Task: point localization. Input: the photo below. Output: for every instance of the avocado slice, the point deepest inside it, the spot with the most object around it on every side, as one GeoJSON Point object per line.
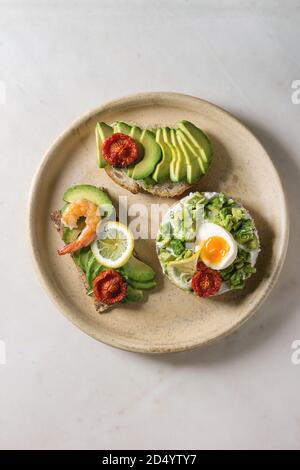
{"type": "Point", "coordinates": [70, 235]}
{"type": "Point", "coordinates": [142, 285]}
{"type": "Point", "coordinates": [135, 132]}
{"type": "Point", "coordinates": [151, 150]}
{"type": "Point", "coordinates": [149, 181]}
{"type": "Point", "coordinates": [102, 131]}
{"type": "Point", "coordinates": [162, 170]}
{"type": "Point", "coordinates": [153, 129]}
{"type": "Point", "coordinates": [180, 170]}
{"type": "Point", "coordinates": [122, 127]}
{"type": "Point", "coordinates": [166, 132]}
{"type": "Point", "coordinates": [137, 270]}
{"type": "Point", "coordinates": [193, 170]}
{"type": "Point", "coordinates": [134, 295]}
{"type": "Point", "coordinates": [199, 140]}
{"type": "Point", "coordinates": [152, 155]}
{"type": "Point", "coordinates": [91, 193]}
{"type": "Point", "coordinates": [193, 151]}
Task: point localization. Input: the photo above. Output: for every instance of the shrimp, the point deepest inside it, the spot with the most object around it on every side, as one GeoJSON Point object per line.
{"type": "Point", "coordinates": [75, 210]}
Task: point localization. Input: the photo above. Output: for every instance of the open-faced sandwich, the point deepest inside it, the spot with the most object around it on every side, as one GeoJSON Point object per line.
{"type": "Point", "coordinates": [101, 247]}
{"type": "Point", "coordinates": [208, 244]}
{"type": "Point", "coordinates": [165, 162]}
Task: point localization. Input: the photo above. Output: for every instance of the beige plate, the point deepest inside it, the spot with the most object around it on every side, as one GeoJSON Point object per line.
{"type": "Point", "coordinates": [170, 319]}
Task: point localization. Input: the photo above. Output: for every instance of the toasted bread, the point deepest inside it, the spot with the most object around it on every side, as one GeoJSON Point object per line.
{"type": "Point", "coordinates": [225, 286]}
{"type": "Point", "coordinates": [99, 306]}
{"type": "Point", "coordinates": [165, 189]}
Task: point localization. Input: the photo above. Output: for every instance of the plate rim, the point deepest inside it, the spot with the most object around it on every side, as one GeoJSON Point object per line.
{"type": "Point", "coordinates": [46, 284]}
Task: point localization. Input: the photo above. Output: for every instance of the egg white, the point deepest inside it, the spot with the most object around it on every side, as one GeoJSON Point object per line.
{"type": "Point", "coordinates": [208, 230]}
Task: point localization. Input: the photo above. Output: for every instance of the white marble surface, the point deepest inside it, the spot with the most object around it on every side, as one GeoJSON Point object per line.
{"type": "Point", "coordinates": [60, 388]}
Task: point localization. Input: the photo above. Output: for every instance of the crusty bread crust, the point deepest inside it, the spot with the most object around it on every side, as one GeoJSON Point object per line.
{"type": "Point", "coordinates": [120, 177]}
{"type": "Point", "coordinates": [166, 189]}
{"type": "Point", "coordinates": [99, 306]}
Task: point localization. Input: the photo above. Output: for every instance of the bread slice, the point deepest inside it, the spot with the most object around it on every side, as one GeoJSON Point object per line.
{"type": "Point", "coordinates": [166, 189]}
{"type": "Point", "coordinates": [99, 306]}
{"type": "Point", "coordinates": [225, 287]}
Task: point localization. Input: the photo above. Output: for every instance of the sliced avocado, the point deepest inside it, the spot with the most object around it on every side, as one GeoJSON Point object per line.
{"type": "Point", "coordinates": [149, 181]}
{"type": "Point", "coordinates": [152, 155]}
{"type": "Point", "coordinates": [192, 149]}
{"type": "Point", "coordinates": [193, 170]}
{"type": "Point", "coordinates": [153, 129]}
{"type": "Point", "coordinates": [199, 140]}
{"type": "Point", "coordinates": [102, 131]}
{"type": "Point", "coordinates": [134, 295]}
{"type": "Point", "coordinates": [166, 132]}
{"type": "Point", "coordinates": [137, 270]}
{"type": "Point", "coordinates": [91, 193]}
{"type": "Point", "coordinates": [151, 150]}
{"type": "Point", "coordinates": [180, 170]}
{"type": "Point", "coordinates": [70, 235]}
{"type": "Point", "coordinates": [135, 132]}
{"type": "Point", "coordinates": [122, 127]}
{"type": "Point", "coordinates": [64, 207]}
{"type": "Point", "coordinates": [162, 170]}
{"type": "Point", "coordinates": [142, 285]}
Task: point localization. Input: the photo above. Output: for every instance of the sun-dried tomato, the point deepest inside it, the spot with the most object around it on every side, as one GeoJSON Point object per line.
{"type": "Point", "coordinates": [201, 266]}
{"type": "Point", "coordinates": [120, 150]}
{"type": "Point", "coordinates": [206, 282]}
{"type": "Point", "coordinates": [109, 287]}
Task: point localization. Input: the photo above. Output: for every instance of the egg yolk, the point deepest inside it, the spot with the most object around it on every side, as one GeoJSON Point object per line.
{"type": "Point", "coordinates": [214, 249]}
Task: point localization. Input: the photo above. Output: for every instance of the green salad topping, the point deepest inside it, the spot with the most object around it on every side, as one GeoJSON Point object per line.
{"type": "Point", "coordinates": [177, 236]}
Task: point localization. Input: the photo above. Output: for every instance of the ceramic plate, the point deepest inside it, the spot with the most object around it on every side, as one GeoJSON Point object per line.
{"type": "Point", "coordinates": [170, 319]}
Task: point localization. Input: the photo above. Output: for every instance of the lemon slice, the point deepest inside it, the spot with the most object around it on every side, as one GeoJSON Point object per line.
{"type": "Point", "coordinates": [114, 245]}
{"type": "Point", "coordinates": [181, 272]}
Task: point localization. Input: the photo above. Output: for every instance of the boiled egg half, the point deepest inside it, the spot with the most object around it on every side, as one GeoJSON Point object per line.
{"type": "Point", "coordinates": [217, 248]}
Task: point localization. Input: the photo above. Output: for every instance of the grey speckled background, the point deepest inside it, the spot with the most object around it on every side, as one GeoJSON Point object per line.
{"type": "Point", "coordinates": [60, 388]}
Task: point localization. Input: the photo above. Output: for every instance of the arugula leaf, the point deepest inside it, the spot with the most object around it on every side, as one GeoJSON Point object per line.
{"type": "Point", "coordinates": [239, 271]}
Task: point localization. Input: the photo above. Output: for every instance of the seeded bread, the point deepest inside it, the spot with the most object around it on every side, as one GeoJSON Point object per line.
{"type": "Point", "coordinates": [99, 306]}
{"type": "Point", "coordinates": [166, 189]}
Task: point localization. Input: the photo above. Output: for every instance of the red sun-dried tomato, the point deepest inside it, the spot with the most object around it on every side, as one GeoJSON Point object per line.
{"type": "Point", "coordinates": [201, 266]}
{"type": "Point", "coordinates": [120, 150]}
{"type": "Point", "coordinates": [206, 282]}
{"type": "Point", "coordinates": [109, 287]}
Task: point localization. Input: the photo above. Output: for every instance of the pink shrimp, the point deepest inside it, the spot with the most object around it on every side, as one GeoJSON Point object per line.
{"type": "Point", "coordinates": [75, 210]}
